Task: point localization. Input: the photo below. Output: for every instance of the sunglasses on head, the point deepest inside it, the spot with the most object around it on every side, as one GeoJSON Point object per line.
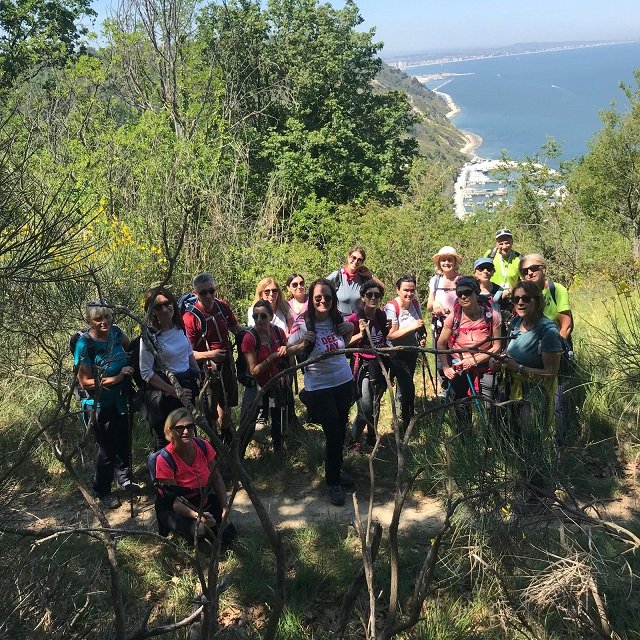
{"type": "Point", "coordinates": [260, 316]}
{"type": "Point", "coordinates": [534, 268]}
{"type": "Point", "coordinates": [525, 299]}
{"type": "Point", "coordinates": [205, 292]}
{"type": "Point", "coordinates": [373, 295]}
{"type": "Point", "coordinates": [181, 427]}
{"type": "Point", "coordinates": [320, 298]}
{"type": "Point", "coordinates": [270, 291]}
{"type": "Point", "coordinates": [295, 285]}
{"type": "Point", "coordinates": [464, 293]}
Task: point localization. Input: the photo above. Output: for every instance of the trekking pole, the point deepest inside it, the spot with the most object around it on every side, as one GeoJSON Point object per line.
{"type": "Point", "coordinates": [128, 389]}
{"type": "Point", "coordinates": [424, 384]}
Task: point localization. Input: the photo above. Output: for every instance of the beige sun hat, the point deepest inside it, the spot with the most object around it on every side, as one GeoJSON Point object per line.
{"type": "Point", "coordinates": [447, 251]}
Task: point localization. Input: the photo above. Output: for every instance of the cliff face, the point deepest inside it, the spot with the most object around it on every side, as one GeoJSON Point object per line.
{"type": "Point", "coordinates": [438, 139]}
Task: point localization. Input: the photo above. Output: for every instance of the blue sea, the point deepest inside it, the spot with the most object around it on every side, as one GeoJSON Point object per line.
{"type": "Point", "coordinates": [516, 102]}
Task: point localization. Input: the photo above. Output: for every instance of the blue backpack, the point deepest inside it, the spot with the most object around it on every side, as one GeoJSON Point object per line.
{"type": "Point", "coordinates": [153, 456]}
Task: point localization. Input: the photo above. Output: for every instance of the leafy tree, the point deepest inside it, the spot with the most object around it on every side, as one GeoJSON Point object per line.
{"type": "Point", "coordinates": [38, 33]}
{"type": "Point", "coordinates": [607, 180]}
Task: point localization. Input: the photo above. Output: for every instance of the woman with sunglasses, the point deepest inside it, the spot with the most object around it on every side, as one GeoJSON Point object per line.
{"type": "Point", "coordinates": [268, 289]}
{"type": "Point", "coordinates": [367, 372]}
{"type": "Point", "coordinates": [182, 472]}
{"type": "Point", "coordinates": [265, 350]}
{"type": "Point", "coordinates": [102, 369]}
{"type": "Point", "coordinates": [348, 280]}
{"type": "Point", "coordinates": [298, 298]}
{"type": "Point", "coordinates": [168, 334]}
{"type": "Point", "coordinates": [406, 329]}
{"type": "Point", "coordinates": [533, 355]}
{"type": "Point", "coordinates": [328, 384]}
{"type": "Point", "coordinates": [475, 329]}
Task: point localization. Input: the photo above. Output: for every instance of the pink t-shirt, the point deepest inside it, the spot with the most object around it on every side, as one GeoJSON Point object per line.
{"type": "Point", "coordinates": [193, 476]}
{"type": "Point", "coordinates": [277, 340]}
{"type": "Point", "coordinates": [472, 332]}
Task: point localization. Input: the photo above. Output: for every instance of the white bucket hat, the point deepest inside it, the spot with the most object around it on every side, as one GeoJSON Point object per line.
{"type": "Point", "coordinates": [449, 252]}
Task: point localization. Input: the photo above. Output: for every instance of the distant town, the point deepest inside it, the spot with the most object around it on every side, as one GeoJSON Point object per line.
{"type": "Point", "coordinates": [424, 59]}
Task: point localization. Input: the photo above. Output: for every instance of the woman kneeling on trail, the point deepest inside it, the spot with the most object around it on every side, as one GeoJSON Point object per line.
{"type": "Point", "coordinates": [470, 325]}
{"type": "Point", "coordinates": [265, 351]}
{"type": "Point", "coordinates": [367, 368]}
{"type": "Point", "coordinates": [328, 384]}
{"type": "Point", "coordinates": [184, 487]}
{"type": "Point", "coordinates": [175, 350]}
{"type": "Point", "coordinates": [533, 356]}
{"type": "Point", "coordinates": [102, 367]}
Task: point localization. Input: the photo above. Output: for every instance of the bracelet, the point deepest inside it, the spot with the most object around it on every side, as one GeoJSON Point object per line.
{"type": "Point", "coordinates": [521, 369]}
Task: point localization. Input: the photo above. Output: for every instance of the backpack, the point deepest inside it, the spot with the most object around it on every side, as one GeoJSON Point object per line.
{"type": "Point", "coordinates": [153, 456]}
{"type": "Point", "coordinates": [78, 391]}
{"type": "Point", "coordinates": [242, 373]}
{"type": "Point", "coordinates": [487, 314]}
{"type": "Point", "coordinates": [187, 303]}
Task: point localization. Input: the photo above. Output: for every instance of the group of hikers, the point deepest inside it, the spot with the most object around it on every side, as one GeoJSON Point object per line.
{"type": "Point", "coordinates": [506, 317]}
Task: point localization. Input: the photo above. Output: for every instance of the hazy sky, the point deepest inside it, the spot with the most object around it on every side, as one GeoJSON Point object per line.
{"type": "Point", "coordinates": [423, 25]}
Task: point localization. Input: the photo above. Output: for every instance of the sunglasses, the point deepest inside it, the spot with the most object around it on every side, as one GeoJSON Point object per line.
{"type": "Point", "coordinates": [206, 292]}
{"type": "Point", "coordinates": [373, 295]}
{"type": "Point", "coordinates": [524, 299]}
{"type": "Point", "coordinates": [355, 259]}
{"type": "Point", "coordinates": [320, 298]}
{"type": "Point", "coordinates": [260, 316]}
{"type": "Point", "coordinates": [295, 285]}
{"type": "Point", "coordinates": [181, 427]}
{"type": "Point", "coordinates": [163, 305]}
{"type": "Point", "coordinates": [270, 292]}
{"type": "Point", "coordinates": [534, 268]}
{"type": "Point", "coordinates": [489, 269]}
{"type": "Point", "coordinates": [464, 293]}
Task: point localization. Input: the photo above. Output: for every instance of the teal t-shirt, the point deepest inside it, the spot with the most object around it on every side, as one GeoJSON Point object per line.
{"type": "Point", "coordinates": [110, 357]}
{"type": "Point", "coordinates": [527, 347]}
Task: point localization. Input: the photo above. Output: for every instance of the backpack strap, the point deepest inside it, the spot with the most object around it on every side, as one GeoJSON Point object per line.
{"type": "Point", "coordinates": [492, 253]}
{"type": "Point", "coordinates": [552, 291]}
{"type": "Point", "coordinates": [193, 310]}
{"type": "Point", "coordinates": [396, 306]}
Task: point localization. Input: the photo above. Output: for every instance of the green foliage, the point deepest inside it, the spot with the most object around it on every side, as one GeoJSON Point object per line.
{"type": "Point", "coordinates": [606, 180]}
{"type": "Point", "coordinates": [38, 33]}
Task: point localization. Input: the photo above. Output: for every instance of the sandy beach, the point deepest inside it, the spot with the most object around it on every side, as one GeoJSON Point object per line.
{"type": "Point", "coordinates": [472, 140]}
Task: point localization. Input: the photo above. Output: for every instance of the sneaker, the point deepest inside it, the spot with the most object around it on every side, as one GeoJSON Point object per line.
{"type": "Point", "coordinates": [336, 495]}
{"type": "Point", "coordinates": [345, 479]}
{"type": "Point", "coordinates": [109, 501]}
{"type": "Point", "coordinates": [132, 487]}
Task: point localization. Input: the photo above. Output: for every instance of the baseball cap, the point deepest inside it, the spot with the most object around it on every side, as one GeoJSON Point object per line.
{"type": "Point", "coordinates": [481, 262]}
{"type": "Point", "coordinates": [501, 233]}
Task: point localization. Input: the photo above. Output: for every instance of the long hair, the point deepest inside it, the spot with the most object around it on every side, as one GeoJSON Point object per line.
{"type": "Point", "coordinates": [334, 313]}
{"type": "Point", "coordinates": [281, 305]}
{"type": "Point", "coordinates": [149, 300]}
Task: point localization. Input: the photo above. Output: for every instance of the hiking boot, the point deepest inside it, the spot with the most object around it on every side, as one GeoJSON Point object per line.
{"type": "Point", "coordinates": [132, 487]}
{"type": "Point", "coordinates": [109, 501]}
{"type": "Point", "coordinates": [336, 495]}
{"type": "Point", "coordinates": [345, 479]}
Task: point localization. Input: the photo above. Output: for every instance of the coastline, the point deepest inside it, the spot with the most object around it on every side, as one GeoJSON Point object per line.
{"type": "Point", "coordinates": [473, 141]}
